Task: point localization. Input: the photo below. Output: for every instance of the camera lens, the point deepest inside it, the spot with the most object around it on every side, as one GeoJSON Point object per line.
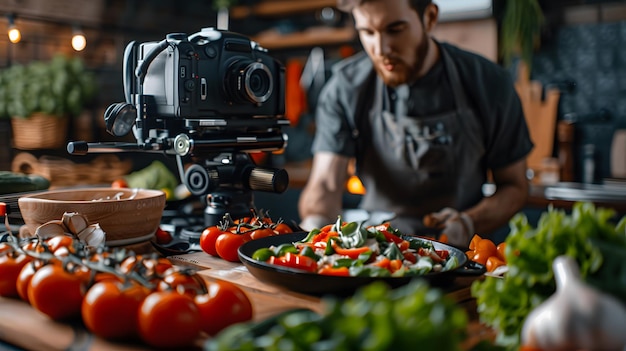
{"type": "Point", "coordinates": [250, 81]}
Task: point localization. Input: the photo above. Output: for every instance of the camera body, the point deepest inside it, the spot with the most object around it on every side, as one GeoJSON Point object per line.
{"type": "Point", "coordinates": [208, 99]}
{"type": "Point", "coordinates": [211, 91]}
{"type": "Point", "coordinates": [212, 73]}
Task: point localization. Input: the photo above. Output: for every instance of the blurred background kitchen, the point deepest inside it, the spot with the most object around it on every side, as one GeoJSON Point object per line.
{"type": "Point", "coordinates": [573, 85]}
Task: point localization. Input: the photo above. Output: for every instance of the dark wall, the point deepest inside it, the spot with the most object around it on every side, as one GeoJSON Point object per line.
{"type": "Point", "coordinates": [588, 63]}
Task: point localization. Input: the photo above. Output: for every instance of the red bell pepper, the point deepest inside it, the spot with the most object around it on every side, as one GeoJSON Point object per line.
{"type": "Point", "coordinates": [338, 271]}
{"type": "Point", "coordinates": [352, 253]}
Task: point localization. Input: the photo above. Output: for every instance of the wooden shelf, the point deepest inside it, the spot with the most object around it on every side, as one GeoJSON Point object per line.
{"type": "Point", "coordinates": [313, 36]}
{"type": "Point", "coordinates": [275, 8]}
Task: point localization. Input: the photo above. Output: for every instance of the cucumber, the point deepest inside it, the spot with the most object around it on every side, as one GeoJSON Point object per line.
{"type": "Point", "coordinates": [12, 182]}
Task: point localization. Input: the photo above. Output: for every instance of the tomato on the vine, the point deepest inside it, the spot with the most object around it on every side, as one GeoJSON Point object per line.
{"type": "Point", "coordinates": [57, 292]}
{"type": "Point", "coordinates": [57, 242]}
{"type": "Point", "coordinates": [169, 319]}
{"type": "Point", "coordinates": [11, 265]}
{"type": "Point", "coordinates": [150, 267]}
{"type": "Point", "coordinates": [227, 245]}
{"type": "Point", "coordinates": [5, 247]}
{"type": "Point", "coordinates": [25, 276]}
{"type": "Point", "coordinates": [182, 281]}
{"type": "Point", "coordinates": [261, 233]}
{"type": "Point", "coordinates": [110, 309]}
{"type": "Point", "coordinates": [208, 238]}
{"type": "Point", "coordinates": [282, 228]}
{"type": "Point", "coordinates": [224, 304]}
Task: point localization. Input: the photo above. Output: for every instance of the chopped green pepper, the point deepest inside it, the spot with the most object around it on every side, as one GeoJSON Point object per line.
{"type": "Point", "coordinates": [262, 254]}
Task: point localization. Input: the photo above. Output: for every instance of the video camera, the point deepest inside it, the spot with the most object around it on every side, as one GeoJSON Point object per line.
{"type": "Point", "coordinates": [209, 98]}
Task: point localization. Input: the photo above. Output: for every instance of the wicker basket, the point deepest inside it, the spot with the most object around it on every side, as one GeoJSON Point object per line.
{"type": "Point", "coordinates": [104, 169]}
{"type": "Point", "coordinates": [39, 131]}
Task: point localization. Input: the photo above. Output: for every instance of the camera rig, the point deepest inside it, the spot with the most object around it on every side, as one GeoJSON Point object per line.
{"type": "Point", "coordinates": [207, 99]}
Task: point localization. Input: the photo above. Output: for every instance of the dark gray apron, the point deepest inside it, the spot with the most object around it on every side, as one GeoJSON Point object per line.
{"type": "Point", "coordinates": [421, 164]}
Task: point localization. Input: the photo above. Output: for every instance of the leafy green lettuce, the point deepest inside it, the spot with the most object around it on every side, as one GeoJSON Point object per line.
{"type": "Point", "coordinates": [587, 234]}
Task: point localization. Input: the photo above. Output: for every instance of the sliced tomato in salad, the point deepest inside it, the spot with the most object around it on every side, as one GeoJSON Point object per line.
{"type": "Point", "coordinates": [296, 261]}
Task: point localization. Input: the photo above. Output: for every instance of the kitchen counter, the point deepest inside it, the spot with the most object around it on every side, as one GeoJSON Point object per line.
{"type": "Point", "coordinates": [23, 326]}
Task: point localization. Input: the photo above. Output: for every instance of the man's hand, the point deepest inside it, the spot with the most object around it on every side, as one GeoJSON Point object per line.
{"type": "Point", "coordinates": [457, 226]}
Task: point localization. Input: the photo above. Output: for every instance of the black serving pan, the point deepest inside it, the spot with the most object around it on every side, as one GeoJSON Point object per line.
{"type": "Point", "coordinates": [317, 284]}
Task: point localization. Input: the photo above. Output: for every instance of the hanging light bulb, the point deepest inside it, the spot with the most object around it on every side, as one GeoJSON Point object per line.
{"type": "Point", "coordinates": [78, 39]}
{"type": "Point", "coordinates": [14, 33]}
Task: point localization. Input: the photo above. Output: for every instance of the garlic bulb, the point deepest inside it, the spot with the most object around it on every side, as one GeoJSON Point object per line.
{"type": "Point", "coordinates": [92, 235]}
{"type": "Point", "coordinates": [75, 222]}
{"type": "Point", "coordinates": [576, 317]}
{"type": "Point", "coordinates": [50, 229]}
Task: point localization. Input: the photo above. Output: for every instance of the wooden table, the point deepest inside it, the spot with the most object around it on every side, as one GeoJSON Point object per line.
{"type": "Point", "coordinates": [25, 327]}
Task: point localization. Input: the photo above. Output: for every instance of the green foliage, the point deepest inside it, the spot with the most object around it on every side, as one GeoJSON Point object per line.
{"type": "Point", "coordinates": [59, 87]}
{"type": "Point", "coordinates": [504, 303]}
{"type": "Point", "coordinates": [376, 318]}
{"type": "Point", "coordinates": [223, 4]}
{"type": "Point", "coordinates": [521, 30]}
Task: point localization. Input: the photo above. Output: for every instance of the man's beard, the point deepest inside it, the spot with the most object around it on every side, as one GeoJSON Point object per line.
{"type": "Point", "coordinates": [406, 74]}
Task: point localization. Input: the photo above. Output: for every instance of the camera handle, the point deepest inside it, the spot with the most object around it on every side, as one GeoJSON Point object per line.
{"type": "Point", "coordinates": [142, 68]}
{"type": "Point", "coordinates": [130, 56]}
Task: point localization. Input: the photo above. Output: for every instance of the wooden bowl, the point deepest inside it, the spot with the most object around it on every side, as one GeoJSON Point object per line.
{"type": "Point", "coordinates": [127, 216]}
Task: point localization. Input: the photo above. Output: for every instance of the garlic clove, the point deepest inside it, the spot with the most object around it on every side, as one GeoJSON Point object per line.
{"type": "Point", "coordinates": [51, 229]}
{"type": "Point", "coordinates": [577, 316]}
{"type": "Point", "coordinates": [75, 222]}
{"type": "Point", "coordinates": [93, 235]}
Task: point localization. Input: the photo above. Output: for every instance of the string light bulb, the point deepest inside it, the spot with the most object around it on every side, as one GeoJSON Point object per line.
{"type": "Point", "coordinates": [78, 39]}
{"type": "Point", "coordinates": [14, 33]}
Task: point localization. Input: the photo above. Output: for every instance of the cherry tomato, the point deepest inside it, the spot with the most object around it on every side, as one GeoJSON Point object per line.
{"type": "Point", "coordinates": [11, 265]}
{"type": "Point", "coordinates": [26, 274]}
{"type": "Point", "coordinates": [110, 309]}
{"type": "Point", "coordinates": [261, 233]}
{"type": "Point", "coordinates": [487, 246]}
{"type": "Point", "coordinates": [227, 245]}
{"type": "Point", "coordinates": [182, 281]}
{"type": "Point", "coordinates": [158, 265]}
{"type": "Point", "coordinates": [473, 243]}
{"type": "Point", "coordinates": [106, 276]}
{"type": "Point", "coordinates": [224, 304]}
{"type": "Point", "coordinates": [481, 257]}
{"type": "Point", "coordinates": [119, 183]}
{"type": "Point", "coordinates": [59, 241]}
{"type": "Point", "coordinates": [500, 249]}
{"type": "Point", "coordinates": [151, 268]}
{"type": "Point", "coordinates": [33, 246]}
{"type": "Point", "coordinates": [58, 293]}
{"type": "Point", "coordinates": [4, 247]}
{"type": "Point", "coordinates": [163, 237]}
{"type": "Point", "coordinates": [282, 228]}
{"type": "Point", "coordinates": [169, 319]}
{"type": "Point", "coordinates": [493, 262]}
{"type": "Point", "coordinates": [208, 238]}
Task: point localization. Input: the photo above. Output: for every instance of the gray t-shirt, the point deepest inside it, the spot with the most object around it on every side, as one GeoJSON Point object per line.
{"type": "Point", "coordinates": [345, 101]}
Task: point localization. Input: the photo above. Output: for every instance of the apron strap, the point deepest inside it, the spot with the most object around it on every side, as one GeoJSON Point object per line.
{"type": "Point", "coordinates": [463, 108]}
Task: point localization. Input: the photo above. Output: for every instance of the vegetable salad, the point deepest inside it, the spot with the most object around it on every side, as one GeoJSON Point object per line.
{"type": "Point", "coordinates": [349, 249]}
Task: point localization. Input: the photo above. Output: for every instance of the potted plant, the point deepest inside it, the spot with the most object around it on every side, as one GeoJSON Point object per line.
{"type": "Point", "coordinates": [520, 31]}
{"type": "Point", "coordinates": [41, 96]}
